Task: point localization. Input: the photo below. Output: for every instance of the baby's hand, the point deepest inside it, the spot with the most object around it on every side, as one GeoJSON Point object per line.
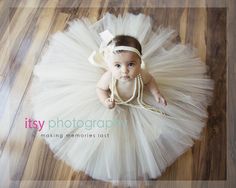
{"type": "Point", "coordinates": [109, 103]}
{"type": "Point", "coordinates": [160, 99]}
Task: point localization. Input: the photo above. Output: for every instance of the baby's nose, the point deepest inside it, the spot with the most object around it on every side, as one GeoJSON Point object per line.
{"type": "Point", "coordinates": [124, 69]}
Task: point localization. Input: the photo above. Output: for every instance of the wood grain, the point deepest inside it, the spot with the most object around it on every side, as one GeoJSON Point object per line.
{"type": "Point", "coordinates": [25, 28]}
{"type": "Point", "coordinates": [231, 95]}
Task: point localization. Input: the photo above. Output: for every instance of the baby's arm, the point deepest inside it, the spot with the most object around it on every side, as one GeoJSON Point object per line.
{"type": "Point", "coordinates": [103, 90]}
{"type": "Point", "coordinates": [151, 84]}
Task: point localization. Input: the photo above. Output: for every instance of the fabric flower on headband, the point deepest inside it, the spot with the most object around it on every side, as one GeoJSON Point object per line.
{"type": "Point", "coordinates": [97, 58]}
{"type": "Point", "coordinates": [106, 37]}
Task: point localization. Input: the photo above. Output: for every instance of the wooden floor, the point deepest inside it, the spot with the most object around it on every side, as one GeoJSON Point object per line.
{"type": "Point", "coordinates": [25, 26]}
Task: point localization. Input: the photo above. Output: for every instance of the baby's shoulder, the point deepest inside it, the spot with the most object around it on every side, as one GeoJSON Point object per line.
{"type": "Point", "coordinates": [146, 77]}
{"type": "Point", "coordinates": [107, 75]}
{"type": "Point", "coordinates": [105, 80]}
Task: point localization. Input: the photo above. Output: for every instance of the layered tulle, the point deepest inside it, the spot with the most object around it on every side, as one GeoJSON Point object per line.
{"type": "Point", "coordinates": [129, 142]}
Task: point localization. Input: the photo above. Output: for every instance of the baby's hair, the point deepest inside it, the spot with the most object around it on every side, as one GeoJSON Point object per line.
{"type": "Point", "coordinates": [126, 40]}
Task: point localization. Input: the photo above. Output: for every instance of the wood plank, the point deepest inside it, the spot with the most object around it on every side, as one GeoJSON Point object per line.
{"type": "Point", "coordinates": [183, 26]}
{"type": "Point", "coordinates": [19, 145]}
{"type": "Point", "coordinates": [214, 159]}
{"type": "Point", "coordinates": [196, 28]}
{"type": "Point", "coordinates": [12, 38]}
{"type": "Point", "coordinates": [1, 80]}
{"type": "Point", "coordinates": [231, 95]}
{"type": "Point", "coordinates": [10, 46]}
{"type": "Point", "coordinates": [4, 16]}
{"type": "Point", "coordinates": [40, 151]}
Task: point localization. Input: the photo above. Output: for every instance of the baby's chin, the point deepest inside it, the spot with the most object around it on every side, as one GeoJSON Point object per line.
{"type": "Point", "coordinates": [125, 78]}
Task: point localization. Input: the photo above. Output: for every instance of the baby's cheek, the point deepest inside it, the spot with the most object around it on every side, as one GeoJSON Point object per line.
{"type": "Point", "coordinates": [113, 70]}
{"type": "Point", "coordinates": [116, 73]}
{"type": "Point", "coordinates": [137, 70]}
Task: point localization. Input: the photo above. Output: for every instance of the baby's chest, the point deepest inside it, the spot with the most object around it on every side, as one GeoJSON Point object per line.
{"type": "Point", "coordinates": [125, 90]}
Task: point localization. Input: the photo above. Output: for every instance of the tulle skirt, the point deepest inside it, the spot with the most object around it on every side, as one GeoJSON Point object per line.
{"type": "Point", "coordinates": [125, 143]}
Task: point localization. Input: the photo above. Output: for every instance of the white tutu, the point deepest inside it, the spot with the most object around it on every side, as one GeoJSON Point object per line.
{"type": "Point", "coordinates": [124, 143]}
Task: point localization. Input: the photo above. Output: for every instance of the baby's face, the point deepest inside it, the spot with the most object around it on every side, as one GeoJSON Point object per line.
{"type": "Point", "coordinates": [124, 66]}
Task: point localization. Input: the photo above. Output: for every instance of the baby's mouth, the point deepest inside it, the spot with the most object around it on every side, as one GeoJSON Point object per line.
{"type": "Point", "coordinates": [125, 77]}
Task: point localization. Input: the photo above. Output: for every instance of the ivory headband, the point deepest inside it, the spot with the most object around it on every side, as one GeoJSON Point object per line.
{"type": "Point", "coordinates": [127, 48]}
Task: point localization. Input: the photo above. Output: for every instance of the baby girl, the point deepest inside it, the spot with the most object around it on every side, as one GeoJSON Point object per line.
{"type": "Point", "coordinates": [123, 59]}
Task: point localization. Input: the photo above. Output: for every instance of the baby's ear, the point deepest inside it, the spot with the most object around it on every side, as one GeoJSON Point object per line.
{"type": "Point", "coordinates": [143, 66]}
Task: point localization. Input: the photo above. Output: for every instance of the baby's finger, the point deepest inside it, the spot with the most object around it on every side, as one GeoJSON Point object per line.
{"type": "Point", "coordinates": [111, 99]}
{"type": "Point", "coordinates": [111, 105]}
{"type": "Point", "coordinates": [164, 101]}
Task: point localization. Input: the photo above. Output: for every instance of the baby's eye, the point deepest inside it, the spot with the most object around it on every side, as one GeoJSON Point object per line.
{"type": "Point", "coordinates": [117, 65]}
{"type": "Point", "coordinates": [131, 64]}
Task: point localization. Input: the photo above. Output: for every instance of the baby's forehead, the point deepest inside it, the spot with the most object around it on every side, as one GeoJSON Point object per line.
{"type": "Point", "coordinates": [125, 56]}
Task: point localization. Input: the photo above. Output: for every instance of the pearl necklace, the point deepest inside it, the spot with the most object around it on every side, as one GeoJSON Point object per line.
{"type": "Point", "coordinates": [138, 85]}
